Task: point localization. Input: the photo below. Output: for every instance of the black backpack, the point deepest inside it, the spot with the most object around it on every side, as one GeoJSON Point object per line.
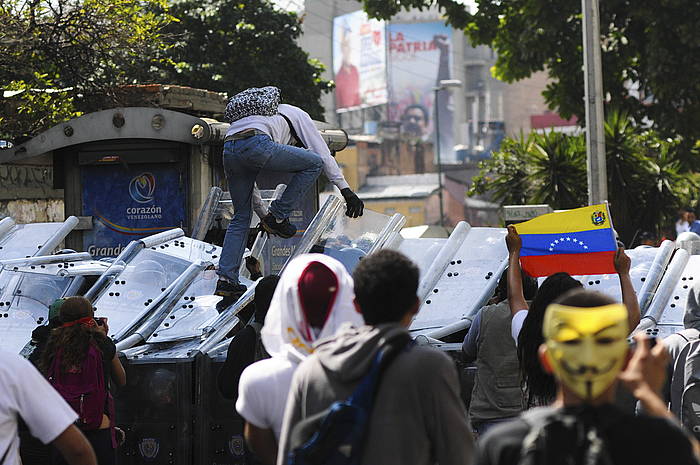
{"type": "Point", "coordinates": [547, 442]}
{"type": "Point", "coordinates": [335, 436]}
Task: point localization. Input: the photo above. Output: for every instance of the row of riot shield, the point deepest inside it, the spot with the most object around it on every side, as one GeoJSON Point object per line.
{"type": "Point", "coordinates": [158, 298]}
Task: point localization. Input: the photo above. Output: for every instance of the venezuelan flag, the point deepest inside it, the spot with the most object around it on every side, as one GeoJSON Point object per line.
{"type": "Point", "coordinates": [579, 242]}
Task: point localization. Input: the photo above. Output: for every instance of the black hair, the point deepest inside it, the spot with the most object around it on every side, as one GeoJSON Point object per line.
{"type": "Point", "coordinates": [584, 299]}
{"type": "Point", "coordinates": [386, 283]}
{"type": "Point", "coordinates": [426, 117]}
{"type": "Point", "coordinates": [529, 286]}
{"type": "Point", "coordinates": [689, 210]}
{"type": "Point", "coordinates": [264, 291]}
{"type": "Point", "coordinates": [541, 387]}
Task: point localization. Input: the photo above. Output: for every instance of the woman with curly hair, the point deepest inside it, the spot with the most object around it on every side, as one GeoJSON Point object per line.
{"type": "Point", "coordinates": [79, 360]}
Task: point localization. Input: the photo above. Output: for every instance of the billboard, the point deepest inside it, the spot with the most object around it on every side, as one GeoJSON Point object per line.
{"type": "Point", "coordinates": [419, 58]}
{"type": "Point", "coordinates": [130, 202]}
{"type": "Point", "coordinates": [359, 61]}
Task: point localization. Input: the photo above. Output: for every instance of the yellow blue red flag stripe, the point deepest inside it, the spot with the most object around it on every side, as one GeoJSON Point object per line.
{"type": "Point", "coordinates": [578, 242]}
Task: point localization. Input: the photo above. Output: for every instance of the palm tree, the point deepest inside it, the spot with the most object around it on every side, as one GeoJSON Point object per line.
{"type": "Point", "coordinates": [558, 170]}
{"type": "Point", "coordinates": [648, 180]}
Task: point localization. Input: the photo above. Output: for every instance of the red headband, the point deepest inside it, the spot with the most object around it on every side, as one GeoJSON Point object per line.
{"type": "Point", "coordinates": [85, 321]}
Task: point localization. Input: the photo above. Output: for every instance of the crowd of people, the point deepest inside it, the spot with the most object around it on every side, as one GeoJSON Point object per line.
{"type": "Point", "coordinates": [550, 361]}
{"type": "Point", "coordinates": [549, 358]}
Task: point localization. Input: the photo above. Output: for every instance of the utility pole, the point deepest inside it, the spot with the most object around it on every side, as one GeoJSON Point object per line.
{"type": "Point", "coordinates": [593, 80]}
{"type": "Point", "coordinates": [437, 148]}
{"type": "Point", "coordinates": [442, 85]}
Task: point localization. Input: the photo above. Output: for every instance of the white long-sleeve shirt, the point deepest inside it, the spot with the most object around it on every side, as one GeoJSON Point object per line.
{"type": "Point", "coordinates": [277, 128]}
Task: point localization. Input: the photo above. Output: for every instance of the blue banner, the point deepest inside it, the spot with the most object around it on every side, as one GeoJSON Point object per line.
{"type": "Point", "coordinates": [130, 202]}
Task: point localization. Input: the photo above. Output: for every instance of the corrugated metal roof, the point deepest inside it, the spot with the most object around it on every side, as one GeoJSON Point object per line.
{"type": "Point", "coordinates": [399, 186]}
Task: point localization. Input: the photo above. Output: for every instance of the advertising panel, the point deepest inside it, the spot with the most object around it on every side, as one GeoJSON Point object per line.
{"type": "Point", "coordinates": [359, 61]}
{"type": "Point", "coordinates": [128, 203]}
{"type": "Point", "coordinates": [419, 58]}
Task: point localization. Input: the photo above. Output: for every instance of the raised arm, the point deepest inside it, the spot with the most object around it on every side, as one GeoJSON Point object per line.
{"type": "Point", "coordinates": [516, 296]}
{"type": "Point", "coordinates": [629, 296]}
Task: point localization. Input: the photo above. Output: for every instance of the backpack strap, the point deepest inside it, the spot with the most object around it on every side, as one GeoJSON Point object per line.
{"type": "Point", "coordinates": [293, 132]}
{"type": "Point", "coordinates": [366, 391]}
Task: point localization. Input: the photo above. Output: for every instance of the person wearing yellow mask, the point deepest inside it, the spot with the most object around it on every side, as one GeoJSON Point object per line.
{"type": "Point", "coordinates": [585, 348]}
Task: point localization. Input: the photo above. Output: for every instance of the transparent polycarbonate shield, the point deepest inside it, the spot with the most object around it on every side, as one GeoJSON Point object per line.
{"type": "Point", "coordinates": [609, 284]}
{"type": "Point", "coordinates": [422, 251]}
{"type": "Point", "coordinates": [25, 298]}
{"type": "Point", "coordinates": [183, 349]}
{"type": "Point", "coordinates": [466, 284]}
{"type": "Point", "coordinates": [133, 290]}
{"type": "Point", "coordinates": [674, 308]}
{"type": "Point", "coordinates": [24, 240]}
{"type": "Point", "coordinates": [193, 312]}
{"type": "Point", "coordinates": [349, 239]}
{"type": "Point", "coordinates": [190, 250]}
{"type": "Point", "coordinates": [138, 291]}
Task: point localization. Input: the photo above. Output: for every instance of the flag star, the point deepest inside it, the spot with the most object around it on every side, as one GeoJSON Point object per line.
{"type": "Point", "coordinates": [551, 249]}
{"type": "Point", "coordinates": [568, 238]}
{"type": "Point", "coordinates": [575, 240]}
{"type": "Point", "coordinates": [556, 241]}
{"type": "Point", "coordinates": [561, 239]}
{"type": "Point", "coordinates": [585, 246]}
{"type": "Point", "coordinates": [551, 244]}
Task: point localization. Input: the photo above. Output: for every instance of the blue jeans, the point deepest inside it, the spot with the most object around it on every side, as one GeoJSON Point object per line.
{"type": "Point", "coordinates": [243, 160]}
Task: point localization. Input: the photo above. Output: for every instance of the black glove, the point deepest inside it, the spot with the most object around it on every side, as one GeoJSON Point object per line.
{"type": "Point", "coordinates": [354, 204]}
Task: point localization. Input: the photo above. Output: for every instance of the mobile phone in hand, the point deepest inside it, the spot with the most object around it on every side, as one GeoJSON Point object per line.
{"type": "Point", "coordinates": [651, 339]}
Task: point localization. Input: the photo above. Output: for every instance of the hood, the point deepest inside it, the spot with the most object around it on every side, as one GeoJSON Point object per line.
{"type": "Point", "coordinates": [348, 356]}
{"type": "Point", "coordinates": [286, 333]}
{"type": "Point", "coordinates": [691, 319]}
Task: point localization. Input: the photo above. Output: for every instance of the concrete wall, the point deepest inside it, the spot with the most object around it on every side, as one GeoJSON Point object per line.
{"type": "Point", "coordinates": [523, 99]}
{"type": "Point", "coordinates": [33, 211]}
{"type": "Point", "coordinates": [27, 194]}
{"type": "Point", "coordinates": [348, 160]}
{"type": "Point", "coordinates": [416, 211]}
{"type": "Point", "coordinates": [390, 157]}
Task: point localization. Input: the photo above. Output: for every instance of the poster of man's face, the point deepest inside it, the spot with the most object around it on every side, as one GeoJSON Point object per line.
{"type": "Point", "coordinates": [419, 58]}
{"type": "Point", "coordinates": [415, 121]}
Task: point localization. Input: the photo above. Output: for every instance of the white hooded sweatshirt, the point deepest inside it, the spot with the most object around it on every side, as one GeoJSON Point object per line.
{"type": "Point", "coordinates": [289, 339]}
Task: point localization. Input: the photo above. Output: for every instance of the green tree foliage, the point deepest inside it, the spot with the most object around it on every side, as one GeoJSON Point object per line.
{"type": "Point", "coordinates": [647, 184]}
{"type": "Point", "coordinates": [653, 44]}
{"type": "Point", "coordinates": [78, 50]}
{"type": "Point", "coordinates": [228, 46]}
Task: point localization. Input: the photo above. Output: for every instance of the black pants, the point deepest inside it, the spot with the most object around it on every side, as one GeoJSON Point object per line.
{"type": "Point", "coordinates": [101, 441]}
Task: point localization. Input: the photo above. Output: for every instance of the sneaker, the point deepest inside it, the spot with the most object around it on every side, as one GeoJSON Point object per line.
{"type": "Point", "coordinates": [230, 292]}
{"type": "Point", "coordinates": [285, 229]}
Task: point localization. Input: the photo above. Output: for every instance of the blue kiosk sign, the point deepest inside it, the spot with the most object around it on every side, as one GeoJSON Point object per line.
{"type": "Point", "coordinates": [130, 202]}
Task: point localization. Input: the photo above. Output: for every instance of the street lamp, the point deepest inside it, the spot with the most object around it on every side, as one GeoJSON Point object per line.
{"type": "Point", "coordinates": [442, 85]}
